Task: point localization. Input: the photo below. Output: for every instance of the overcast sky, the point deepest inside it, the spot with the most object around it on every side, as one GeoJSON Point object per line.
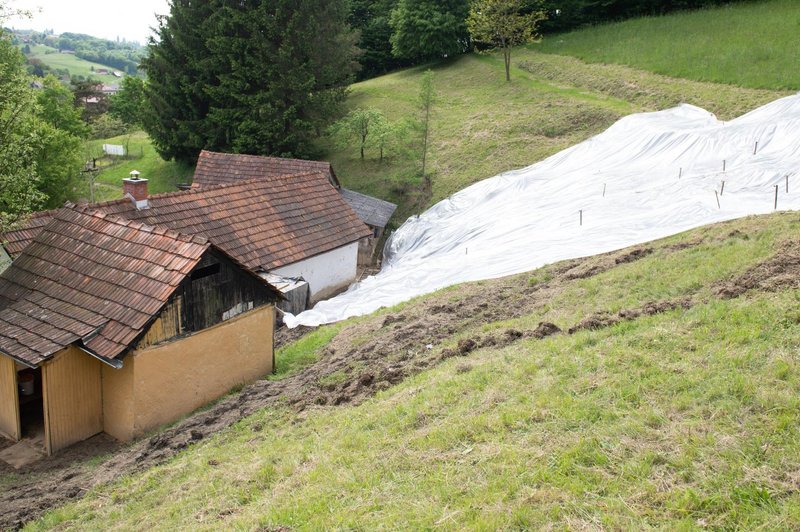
{"type": "Point", "coordinates": [128, 19]}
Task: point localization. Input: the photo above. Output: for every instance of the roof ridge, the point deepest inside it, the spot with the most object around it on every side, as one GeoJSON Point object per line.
{"type": "Point", "coordinates": [160, 230]}
{"type": "Point", "coordinates": [270, 157]}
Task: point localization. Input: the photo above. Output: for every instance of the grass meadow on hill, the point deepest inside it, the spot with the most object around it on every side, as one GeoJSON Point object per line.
{"type": "Point", "coordinates": [681, 420]}
{"type": "Point", "coordinates": [482, 125]}
{"type": "Point", "coordinates": [163, 176]}
{"type": "Point", "coordinates": [76, 66]}
{"type": "Point", "coordinates": [749, 44]}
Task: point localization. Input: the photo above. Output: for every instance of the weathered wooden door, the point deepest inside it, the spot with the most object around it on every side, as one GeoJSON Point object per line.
{"type": "Point", "coordinates": [73, 401]}
{"type": "Point", "coordinates": [9, 400]}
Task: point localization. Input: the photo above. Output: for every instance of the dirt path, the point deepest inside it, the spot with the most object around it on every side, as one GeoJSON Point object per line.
{"type": "Point", "coordinates": [362, 359]}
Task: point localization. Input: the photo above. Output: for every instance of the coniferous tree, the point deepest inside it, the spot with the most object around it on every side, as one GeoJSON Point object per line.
{"type": "Point", "coordinates": [371, 19]}
{"type": "Point", "coordinates": [250, 77]}
{"type": "Point", "coordinates": [429, 29]}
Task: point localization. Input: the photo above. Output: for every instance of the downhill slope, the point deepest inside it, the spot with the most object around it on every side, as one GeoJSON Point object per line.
{"type": "Point", "coordinates": [75, 65]}
{"type": "Point", "coordinates": [657, 386]}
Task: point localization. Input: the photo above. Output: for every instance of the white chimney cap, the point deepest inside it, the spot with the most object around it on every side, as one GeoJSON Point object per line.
{"type": "Point", "coordinates": [135, 174]}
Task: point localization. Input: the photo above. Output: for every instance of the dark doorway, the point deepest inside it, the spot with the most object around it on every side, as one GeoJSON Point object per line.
{"type": "Point", "coordinates": [31, 404]}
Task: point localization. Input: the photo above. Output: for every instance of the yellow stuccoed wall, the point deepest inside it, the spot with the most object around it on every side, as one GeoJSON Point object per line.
{"type": "Point", "coordinates": [118, 400]}
{"type": "Point", "coordinates": [173, 379]}
{"type": "Point", "coordinates": [9, 402]}
{"type": "Point", "coordinates": [72, 386]}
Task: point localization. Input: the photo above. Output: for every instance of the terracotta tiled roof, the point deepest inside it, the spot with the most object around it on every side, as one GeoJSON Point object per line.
{"type": "Point", "coordinates": [218, 168]}
{"type": "Point", "coordinates": [215, 168]}
{"type": "Point", "coordinates": [90, 278]}
{"type": "Point", "coordinates": [262, 224]}
{"type": "Point", "coordinates": [15, 241]}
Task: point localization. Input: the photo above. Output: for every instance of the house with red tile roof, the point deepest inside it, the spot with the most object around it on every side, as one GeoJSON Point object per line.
{"type": "Point", "coordinates": [215, 168]}
{"type": "Point", "coordinates": [294, 226]}
{"type": "Point", "coordinates": [114, 325]}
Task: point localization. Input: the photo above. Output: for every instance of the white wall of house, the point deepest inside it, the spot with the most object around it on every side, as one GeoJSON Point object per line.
{"type": "Point", "coordinates": [327, 273]}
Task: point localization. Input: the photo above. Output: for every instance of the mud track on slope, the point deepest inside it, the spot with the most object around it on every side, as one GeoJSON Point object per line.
{"type": "Point", "coordinates": [361, 360]}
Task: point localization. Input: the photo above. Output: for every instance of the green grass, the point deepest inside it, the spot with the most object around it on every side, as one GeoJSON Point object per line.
{"type": "Point", "coordinates": [688, 419]}
{"type": "Point", "coordinates": [483, 125]}
{"type": "Point", "coordinates": [163, 176]}
{"type": "Point", "coordinates": [749, 44]}
{"type": "Point", "coordinates": [294, 357]}
{"type": "Point", "coordinates": [76, 66]}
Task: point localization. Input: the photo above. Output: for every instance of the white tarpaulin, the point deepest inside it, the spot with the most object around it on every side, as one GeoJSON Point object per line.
{"type": "Point", "coordinates": [661, 172]}
{"type": "Point", "coordinates": [114, 149]}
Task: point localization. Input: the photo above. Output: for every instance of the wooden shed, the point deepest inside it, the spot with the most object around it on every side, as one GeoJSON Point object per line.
{"type": "Point", "coordinates": [116, 326]}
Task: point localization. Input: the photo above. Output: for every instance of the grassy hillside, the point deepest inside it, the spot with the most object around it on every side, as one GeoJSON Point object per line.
{"type": "Point", "coordinates": [651, 387]}
{"type": "Point", "coordinates": [76, 66]}
{"type": "Point", "coordinates": [750, 44]}
{"type": "Point", "coordinates": [657, 386]}
{"type": "Point", "coordinates": [163, 176]}
{"type": "Point", "coordinates": [482, 125]}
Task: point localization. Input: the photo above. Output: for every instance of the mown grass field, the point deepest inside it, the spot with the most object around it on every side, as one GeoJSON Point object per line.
{"type": "Point", "coordinates": [749, 44]}
{"type": "Point", "coordinates": [76, 66]}
{"type": "Point", "coordinates": [681, 420]}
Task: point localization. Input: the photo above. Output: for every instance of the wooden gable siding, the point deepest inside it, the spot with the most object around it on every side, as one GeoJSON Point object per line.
{"type": "Point", "coordinates": [73, 401]}
{"type": "Point", "coordinates": [216, 290]}
{"type": "Point", "coordinates": [9, 403]}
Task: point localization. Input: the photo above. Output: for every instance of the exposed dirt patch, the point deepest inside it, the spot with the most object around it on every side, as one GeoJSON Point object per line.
{"type": "Point", "coordinates": [779, 272]}
{"type": "Point", "coordinates": [634, 255]}
{"type": "Point", "coordinates": [601, 320]}
{"type": "Point", "coordinates": [545, 329]}
{"type": "Point", "coordinates": [680, 246]}
{"type": "Point", "coordinates": [284, 335]}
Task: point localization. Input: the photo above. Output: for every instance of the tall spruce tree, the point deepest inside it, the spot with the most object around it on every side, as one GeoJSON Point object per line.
{"type": "Point", "coordinates": [251, 77]}
{"type": "Point", "coordinates": [429, 29]}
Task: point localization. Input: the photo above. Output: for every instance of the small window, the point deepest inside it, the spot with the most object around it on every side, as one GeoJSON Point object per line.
{"type": "Point", "coordinates": [205, 271]}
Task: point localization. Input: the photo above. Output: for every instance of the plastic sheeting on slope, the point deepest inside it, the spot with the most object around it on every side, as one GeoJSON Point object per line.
{"type": "Point", "coordinates": [659, 170]}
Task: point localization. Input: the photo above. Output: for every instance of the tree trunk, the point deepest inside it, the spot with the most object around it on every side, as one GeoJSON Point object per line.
{"type": "Point", "coordinates": [425, 141]}
{"type": "Point", "coordinates": [507, 58]}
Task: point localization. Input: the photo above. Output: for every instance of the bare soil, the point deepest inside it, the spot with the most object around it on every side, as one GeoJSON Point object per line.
{"type": "Point", "coordinates": [780, 272]}
{"type": "Point", "coordinates": [362, 359]}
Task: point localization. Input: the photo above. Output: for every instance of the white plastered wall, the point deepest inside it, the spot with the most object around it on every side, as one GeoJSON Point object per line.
{"type": "Point", "coordinates": [327, 273]}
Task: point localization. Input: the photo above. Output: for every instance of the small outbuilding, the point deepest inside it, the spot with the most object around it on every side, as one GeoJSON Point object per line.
{"type": "Point", "coordinates": [111, 325]}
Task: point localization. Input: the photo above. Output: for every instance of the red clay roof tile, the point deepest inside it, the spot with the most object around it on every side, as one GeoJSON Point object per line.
{"type": "Point", "coordinates": [92, 278]}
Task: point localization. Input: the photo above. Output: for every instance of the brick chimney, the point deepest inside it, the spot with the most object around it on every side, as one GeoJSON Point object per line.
{"type": "Point", "coordinates": [135, 189]}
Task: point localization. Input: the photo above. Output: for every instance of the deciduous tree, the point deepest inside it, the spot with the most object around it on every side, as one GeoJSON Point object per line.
{"type": "Point", "coordinates": [357, 125]}
{"type": "Point", "coordinates": [129, 104]}
{"type": "Point", "coordinates": [427, 96]}
{"type": "Point", "coordinates": [39, 143]}
{"type": "Point", "coordinates": [503, 24]}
